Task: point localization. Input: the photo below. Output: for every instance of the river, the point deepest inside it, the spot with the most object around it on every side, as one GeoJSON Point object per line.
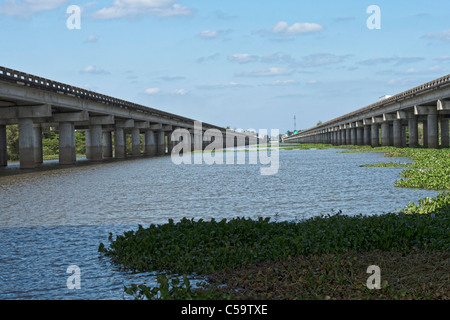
{"type": "Point", "coordinates": [55, 217]}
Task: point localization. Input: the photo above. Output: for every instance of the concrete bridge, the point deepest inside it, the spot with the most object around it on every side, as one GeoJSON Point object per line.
{"type": "Point", "coordinates": [34, 102]}
{"type": "Point", "coordinates": [393, 121]}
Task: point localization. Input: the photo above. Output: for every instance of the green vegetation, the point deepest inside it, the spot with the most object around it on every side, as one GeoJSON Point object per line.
{"type": "Point", "coordinates": [320, 258]}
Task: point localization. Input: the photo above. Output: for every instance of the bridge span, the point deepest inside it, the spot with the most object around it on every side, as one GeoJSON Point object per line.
{"type": "Point", "coordinates": [34, 102]}
{"type": "Point", "coordinates": [394, 121]}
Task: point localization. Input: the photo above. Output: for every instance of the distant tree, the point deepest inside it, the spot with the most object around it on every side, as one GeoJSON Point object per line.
{"type": "Point", "coordinates": [319, 123]}
{"type": "Point", "coordinates": [12, 142]}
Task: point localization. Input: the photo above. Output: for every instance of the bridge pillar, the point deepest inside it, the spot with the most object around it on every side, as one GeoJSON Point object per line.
{"type": "Point", "coordinates": [93, 138]}
{"type": "Point", "coordinates": [161, 143]}
{"type": "Point", "coordinates": [385, 141]}
{"type": "Point", "coordinates": [343, 137]}
{"type": "Point", "coordinates": [119, 143]}
{"type": "Point", "coordinates": [413, 131]}
{"type": "Point", "coordinates": [136, 142]}
{"type": "Point", "coordinates": [397, 133]}
{"type": "Point", "coordinates": [170, 143]}
{"type": "Point", "coordinates": [150, 143]}
{"type": "Point", "coordinates": [433, 134]}
{"type": "Point", "coordinates": [359, 136]}
{"type": "Point", "coordinates": [3, 147]}
{"type": "Point", "coordinates": [38, 154]}
{"type": "Point", "coordinates": [26, 143]}
{"type": "Point", "coordinates": [425, 134]}
{"type": "Point", "coordinates": [366, 141]}
{"type": "Point", "coordinates": [374, 135]}
{"type": "Point", "coordinates": [353, 135]}
{"type": "Point", "coordinates": [67, 151]}
{"type": "Point", "coordinates": [444, 132]}
{"type": "Point", "coordinates": [107, 144]}
{"type": "Point", "coordinates": [348, 137]}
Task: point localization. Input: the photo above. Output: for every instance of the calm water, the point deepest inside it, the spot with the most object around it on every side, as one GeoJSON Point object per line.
{"type": "Point", "coordinates": [51, 219]}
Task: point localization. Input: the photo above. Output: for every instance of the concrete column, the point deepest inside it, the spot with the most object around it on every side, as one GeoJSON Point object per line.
{"type": "Point", "coordinates": [359, 136]}
{"type": "Point", "coordinates": [26, 144]}
{"type": "Point", "coordinates": [397, 133]}
{"type": "Point", "coordinates": [67, 151]}
{"type": "Point", "coordinates": [161, 143]}
{"type": "Point", "coordinates": [391, 135]}
{"type": "Point", "coordinates": [366, 139]}
{"type": "Point", "coordinates": [403, 130]}
{"type": "Point", "coordinates": [444, 132]}
{"type": "Point", "coordinates": [87, 140]}
{"type": "Point", "coordinates": [425, 133]}
{"type": "Point", "coordinates": [413, 132]}
{"type": "Point", "coordinates": [385, 134]}
{"type": "Point", "coordinates": [348, 136]}
{"type": "Point", "coordinates": [38, 154]}
{"type": "Point", "coordinates": [119, 143]}
{"type": "Point", "coordinates": [96, 146]}
{"type": "Point", "coordinates": [3, 147]}
{"type": "Point", "coordinates": [170, 143]}
{"type": "Point", "coordinates": [433, 134]}
{"type": "Point", "coordinates": [343, 137]}
{"type": "Point", "coordinates": [353, 136]}
{"type": "Point", "coordinates": [374, 135]}
{"type": "Point", "coordinates": [107, 144]}
{"type": "Point", "coordinates": [136, 142]}
{"type": "Point", "coordinates": [150, 143]}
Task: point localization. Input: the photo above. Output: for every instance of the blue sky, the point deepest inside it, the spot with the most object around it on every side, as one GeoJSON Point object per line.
{"type": "Point", "coordinates": [245, 64]}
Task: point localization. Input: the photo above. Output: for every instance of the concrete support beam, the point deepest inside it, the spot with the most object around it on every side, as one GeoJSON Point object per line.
{"type": "Point", "coordinates": [3, 148]}
{"type": "Point", "coordinates": [101, 120]}
{"type": "Point", "coordinates": [161, 143]}
{"type": "Point", "coordinates": [38, 153]}
{"type": "Point", "coordinates": [433, 134]}
{"type": "Point", "coordinates": [397, 133]}
{"type": "Point", "coordinates": [26, 143]}
{"type": "Point", "coordinates": [144, 125]}
{"type": "Point", "coordinates": [95, 145]}
{"type": "Point", "coordinates": [374, 135]}
{"type": "Point", "coordinates": [156, 127]}
{"type": "Point", "coordinates": [385, 134]}
{"type": "Point", "coordinates": [67, 151]}
{"type": "Point", "coordinates": [150, 143]}
{"type": "Point", "coordinates": [366, 139]}
{"type": "Point", "coordinates": [413, 132]}
{"type": "Point", "coordinates": [39, 111]}
{"type": "Point", "coordinates": [443, 105]}
{"type": "Point", "coordinates": [107, 144]}
{"type": "Point", "coordinates": [136, 142]}
{"type": "Point", "coordinates": [125, 124]}
{"type": "Point", "coordinates": [119, 143]}
{"type": "Point", "coordinates": [71, 117]}
{"type": "Point", "coordinates": [359, 136]}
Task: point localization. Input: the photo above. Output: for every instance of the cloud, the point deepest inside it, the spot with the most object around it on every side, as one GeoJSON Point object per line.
{"type": "Point", "coordinates": [270, 72]}
{"type": "Point", "coordinates": [278, 57]}
{"type": "Point", "coordinates": [221, 85]}
{"type": "Point", "coordinates": [135, 8]}
{"type": "Point", "coordinates": [442, 58]}
{"type": "Point", "coordinates": [210, 34]}
{"type": "Point", "coordinates": [282, 28]}
{"type": "Point", "coordinates": [443, 35]}
{"type": "Point", "coordinates": [211, 57]}
{"type": "Point", "coordinates": [398, 60]}
{"type": "Point", "coordinates": [27, 8]}
{"type": "Point", "coordinates": [242, 58]}
{"type": "Point", "coordinates": [280, 83]}
{"type": "Point", "coordinates": [92, 39]}
{"type": "Point", "coordinates": [94, 70]}
{"type": "Point", "coordinates": [180, 92]}
{"type": "Point", "coordinates": [153, 90]}
{"type": "Point", "coordinates": [320, 59]}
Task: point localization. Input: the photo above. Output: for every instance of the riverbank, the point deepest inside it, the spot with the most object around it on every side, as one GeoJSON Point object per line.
{"type": "Point", "coordinates": [320, 258]}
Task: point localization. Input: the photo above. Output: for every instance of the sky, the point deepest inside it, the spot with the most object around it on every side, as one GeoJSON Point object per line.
{"type": "Point", "coordinates": [248, 64]}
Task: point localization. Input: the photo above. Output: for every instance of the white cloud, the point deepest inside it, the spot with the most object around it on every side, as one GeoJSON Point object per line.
{"type": "Point", "coordinates": [180, 92]}
{"type": "Point", "coordinates": [92, 39]}
{"type": "Point", "coordinates": [135, 8]}
{"type": "Point", "coordinates": [320, 59]}
{"type": "Point", "coordinates": [210, 34]}
{"type": "Point", "coordinates": [153, 90]}
{"type": "Point", "coordinates": [443, 35]}
{"type": "Point", "coordinates": [270, 72]}
{"type": "Point", "coordinates": [231, 84]}
{"type": "Point", "coordinates": [27, 8]}
{"type": "Point", "coordinates": [242, 58]}
{"type": "Point", "coordinates": [94, 70]}
{"type": "Point", "coordinates": [283, 28]}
